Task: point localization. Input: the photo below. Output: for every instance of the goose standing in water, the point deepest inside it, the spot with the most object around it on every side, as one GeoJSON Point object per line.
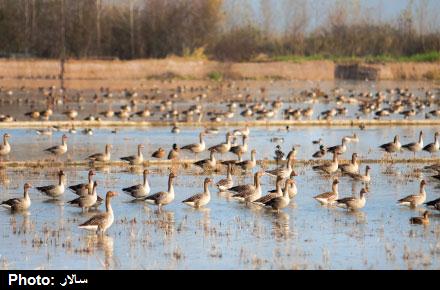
{"type": "Point", "coordinates": [282, 172]}
{"type": "Point", "coordinates": [278, 191]}
{"type": "Point", "coordinates": [330, 167]}
{"type": "Point", "coordinates": [135, 159]}
{"type": "Point", "coordinates": [352, 139]}
{"type": "Point", "coordinates": [201, 199]}
{"type": "Point", "coordinates": [414, 200]}
{"type": "Point", "coordinates": [197, 147]}
{"type": "Point", "coordinates": [282, 201]}
{"type": "Point", "coordinates": [86, 201]}
{"type": "Point", "coordinates": [292, 189]}
{"type": "Point", "coordinates": [392, 147]}
{"type": "Point", "coordinates": [159, 153]}
{"type": "Point", "coordinates": [223, 147]}
{"type": "Point", "coordinates": [359, 177]}
{"type": "Point", "coordinates": [339, 149]}
{"type": "Point", "coordinates": [59, 149]}
{"type": "Point", "coordinates": [433, 147]}
{"type": "Point", "coordinates": [101, 222]}
{"type": "Point", "coordinates": [56, 190]}
{"type": "Point", "coordinates": [248, 164]}
{"type": "Point", "coordinates": [352, 167]}
{"type": "Point", "coordinates": [225, 184]}
{"type": "Point", "coordinates": [435, 204]}
{"type": "Point", "coordinates": [329, 198]}
{"type": "Point", "coordinates": [207, 164]}
{"type": "Point", "coordinates": [242, 132]}
{"type": "Point", "coordinates": [139, 190]}
{"type": "Point", "coordinates": [174, 153]}
{"type": "Point", "coordinates": [239, 150]}
{"type": "Point", "coordinates": [163, 198]}
{"type": "Point", "coordinates": [19, 204]}
{"type": "Point", "coordinates": [102, 157]}
{"type": "Point", "coordinates": [248, 192]}
{"type": "Point", "coordinates": [321, 152]}
{"type": "Point", "coordinates": [5, 148]}
{"type": "Point", "coordinates": [416, 146]}
{"type": "Point", "coordinates": [353, 203]}
{"type": "Point", "coordinates": [83, 188]}
{"type": "Point", "coordinates": [423, 220]}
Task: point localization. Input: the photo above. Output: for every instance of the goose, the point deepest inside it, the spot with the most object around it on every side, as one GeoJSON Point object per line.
{"type": "Point", "coordinates": [223, 147]}
{"type": "Point", "coordinates": [86, 201]}
{"type": "Point", "coordinates": [273, 193]}
{"type": "Point", "coordinates": [44, 132]}
{"type": "Point", "coordinates": [139, 190]}
{"type": "Point", "coordinates": [423, 220]}
{"type": "Point", "coordinates": [435, 204]}
{"type": "Point", "coordinates": [207, 164]}
{"type": "Point", "coordinates": [329, 198]}
{"type": "Point", "coordinates": [83, 188]}
{"type": "Point", "coordinates": [19, 204]}
{"type": "Point", "coordinates": [282, 201]}
{"type": "Point", "coordinates": [292, 154]}
{"type": "Point", "coordinates": [197, 147]}
{"type": "Point", "coordinates": [174, 152]}
{"type": "Point", "coordinates": [352, 139]}
{"type": "Point", "coordinates": [392, 147]}
{"type": "Point", "coordinates": [159, 153]}
{"type": "Point", "coordinates": [415, 147]}
{"type": "Point", "coordinates": [101, 222]}
{"type": "Point", "coordinates": [359, 177]}
{"type": "Point", "coordinates": [135, 159]}
{"type": "Point", "coordinates": [279, 154]}
{"type": "Point", "coordinates": [339, 149]}
{"type": "Point", "coordinates": [5, 148]}
{"type": "Point", "coordinates": [239, 150]}
{"type": "Point", "coordinates": [225, 184]}
{"type": "Point", "coordinates": [54, 191]}
{"type": "Point", "coordinates": [248, 164]}
{"type": "Point", "coordinates": [282, 172]}
{"type": "Point", "coordinates": [433, 147]}
{"type": "Point", "coordinates": [71, 114]}
{"type": "Point", "coordinates": [321, 152]}
{"type": "Point", "coordinates": [102, 157]}
{"type": "Point", "coordinates": [330, 167]}
{"type": "Point", "coordinates": [292, 189]}
{"type": "Point", "coordinates": [242, 132]}
{"type": "Point", "coordinates": [248, 193]}
{"type": "Point", "coordinates": [353, 203]}
{"type": "Point", "coordinates": [59, 149]}
{"type": "Point", "coordinates": [163, 198]}
{"type": "Point", "coordinates": [201, 199]}
{"type": "Point", "coordinates": [416, 199]}
{"type": "Point", "coordinates": [352, 167]}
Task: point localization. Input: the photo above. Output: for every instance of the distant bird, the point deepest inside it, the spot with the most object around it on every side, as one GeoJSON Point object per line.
{"type": "Point", "coordinates": [140, 190]}
{"type": "Point", "coordinates": [102, 157]}
{"type": "Point", "coordinates": [101, 222]}
{"type": "Point", "coordinates": [435, 204]}
{"type": "Point", "coordinates": [353, 203]}
{"type": "Point", "coordinates": [163, 198]}
{"type": "Point", "coordinates": [159, 153]}
{"type": "Point", "coordinates": [339, 149]}
{"type": "Point", "coordinates": [279, 155]}
{"type": "Point", "coordinates": [135, 159]}
{"type": "Point", "coordinates": [248, 192]}
{"type": "Point", "coordinates": [83, 188]}
{"type": "Point", "coordinates": [19, 204]}
{"type": "Point", "coordinates": [416, 146]}
{"type": "Point", "coordinates": [328, 167]}
{"type": "Point", "coordinates": [207, 164]}
{"type": "Point", "coordinates": [321, 152]}
{"type": "Point", "coordinates": [423, 220]}
{"type": "Point", "coordinates": [225, 184]}
{"type": "Point", "coordinates": [416, 199]}
{"type": "Point", "coordinates": [352, 167]}
{"type": "Point", "coordinates": [59, 149]}
{"type": "Point", "coordinates": [392, 147]}
{"type": "Point", "coordinates": [197, 147]}
{"type": "Point", "coordinates": [56, 190]}
{"type": "Point", "coordinates": [5, 148]}
{"type": "Point", "coordinates": [201, 199]}
{"type": "Point", "coordinates": [174, 153]}
{"type": "Point", "coordinates": [352, 139]}
{"type": "Point", "coordinates": [248, 164]}
{"type": "Point", "coordinates": [86, 201]}
{"type": "Point", "coordinates": [359, 177]}
{"type": "Point", "coordinates": [330, 197]}
{"type": "Point", "coordinates": [280, 202]}
{"type": "Point", "coordinates": [433, 147]}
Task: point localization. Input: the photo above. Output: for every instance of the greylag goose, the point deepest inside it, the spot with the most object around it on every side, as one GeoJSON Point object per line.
{"type": "Point", "coordinates": [329, 198]}
{"type": "Point", "coordinates": [282, 172]}
{"type": "Point", "coordinates": [174, 153]}
{"type": "Point", "coordinates": [242, 132]}
{"type": "Point", "coordinates": [339, 149]}
{"type": "Point", "coordinates": [423, 220]}
{"type": "Point", "coordinates": [414, 200]}
{"type": "Point", "coordinates": [201, 199]}
{"type": "Point", "coordinates": [139, 190]}
{"type": "Point", "coordinates": [86, 201]}
{"type": "Point", "coordinates": [163, 198]}
{"type": "Point", "coordinates": [392, 147]}
{"type": "Point", "coordinates": [359, 177]}
{"type": "Point", "coordinates": [291, 154]}
{"type": "Point", "coordinates": [59, 149]}
{"type": "Point", "coordinates": [135, 159]}
{"type": "Point", "coordinates": [435, 204]}
{"type": "Point", "coordinates": [353, 203]}
{"type": "Point", "coordinates": [352, 167]}
{"type": "Point", "coordinates": [273, 193]}
{"type": "Point", "coordinates": [102, 157]}
{"type": "Point", "coordinates": [207, 164]}
{"type": "Point", "coordinates": [225, 184]}
{"type": "Point", "coordinates": [5, 148]}
{"type": "Point", "coordinates": [223, 147]}
{"type": "Point", "coordinates": [330, 167]}
{"type": "Point", "coordinates": [282, 201]}
{"type": "Point", "coordinates": [249, 192]}
{"type": "Point", "coordinates": [159, 153]}
{"type": "Point", "coordinates": [321, 152]}
{"type": "Point", "coordinates": [292, 189]}
{"type": "Point", "coordinates": [433, 147]}
{"type": "Point", "coordinates": [56, 190]}
{"type": "Point", "coordinates": [197, 147]}
{"type": "Point", "coordinates": [71, 114]}
{"type": "Point", "coordinates": [19, 204]}
{"type": "Point", "coordinates": [101, 222]}
{"type": "Point", "coordinates": [83, 188]}
{"type": "Point", "coordinates": [416, 146]}
{"type": "Point", "coordinates": [248, 164]}
{"type": "Point", "coordinates": [239, 150]}
{"type": "Point", "coordinates": [352, 139]}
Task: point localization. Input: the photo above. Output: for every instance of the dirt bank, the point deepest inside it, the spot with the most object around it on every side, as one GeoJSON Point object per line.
{"type": "Point", "coordinates": [44, 70]}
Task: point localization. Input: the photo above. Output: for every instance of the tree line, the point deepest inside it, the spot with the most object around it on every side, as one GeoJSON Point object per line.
{"type": "Point", "coordinates": [221, 29]}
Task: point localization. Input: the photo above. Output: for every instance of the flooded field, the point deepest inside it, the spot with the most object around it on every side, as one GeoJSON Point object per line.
{"type": "Point", "coordinates": [225, 234]}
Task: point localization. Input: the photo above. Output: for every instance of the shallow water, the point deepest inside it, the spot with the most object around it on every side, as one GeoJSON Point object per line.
{"type": "Point", "coordinates": [227, 234]}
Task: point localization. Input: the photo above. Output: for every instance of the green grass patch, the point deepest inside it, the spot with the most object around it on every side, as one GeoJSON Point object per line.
{"type": "Point", "coordinates": [215, 76]}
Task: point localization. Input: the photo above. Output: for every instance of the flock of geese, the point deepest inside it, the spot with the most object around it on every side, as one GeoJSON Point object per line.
{"type": "Point", "coordinates": [276, 199]}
